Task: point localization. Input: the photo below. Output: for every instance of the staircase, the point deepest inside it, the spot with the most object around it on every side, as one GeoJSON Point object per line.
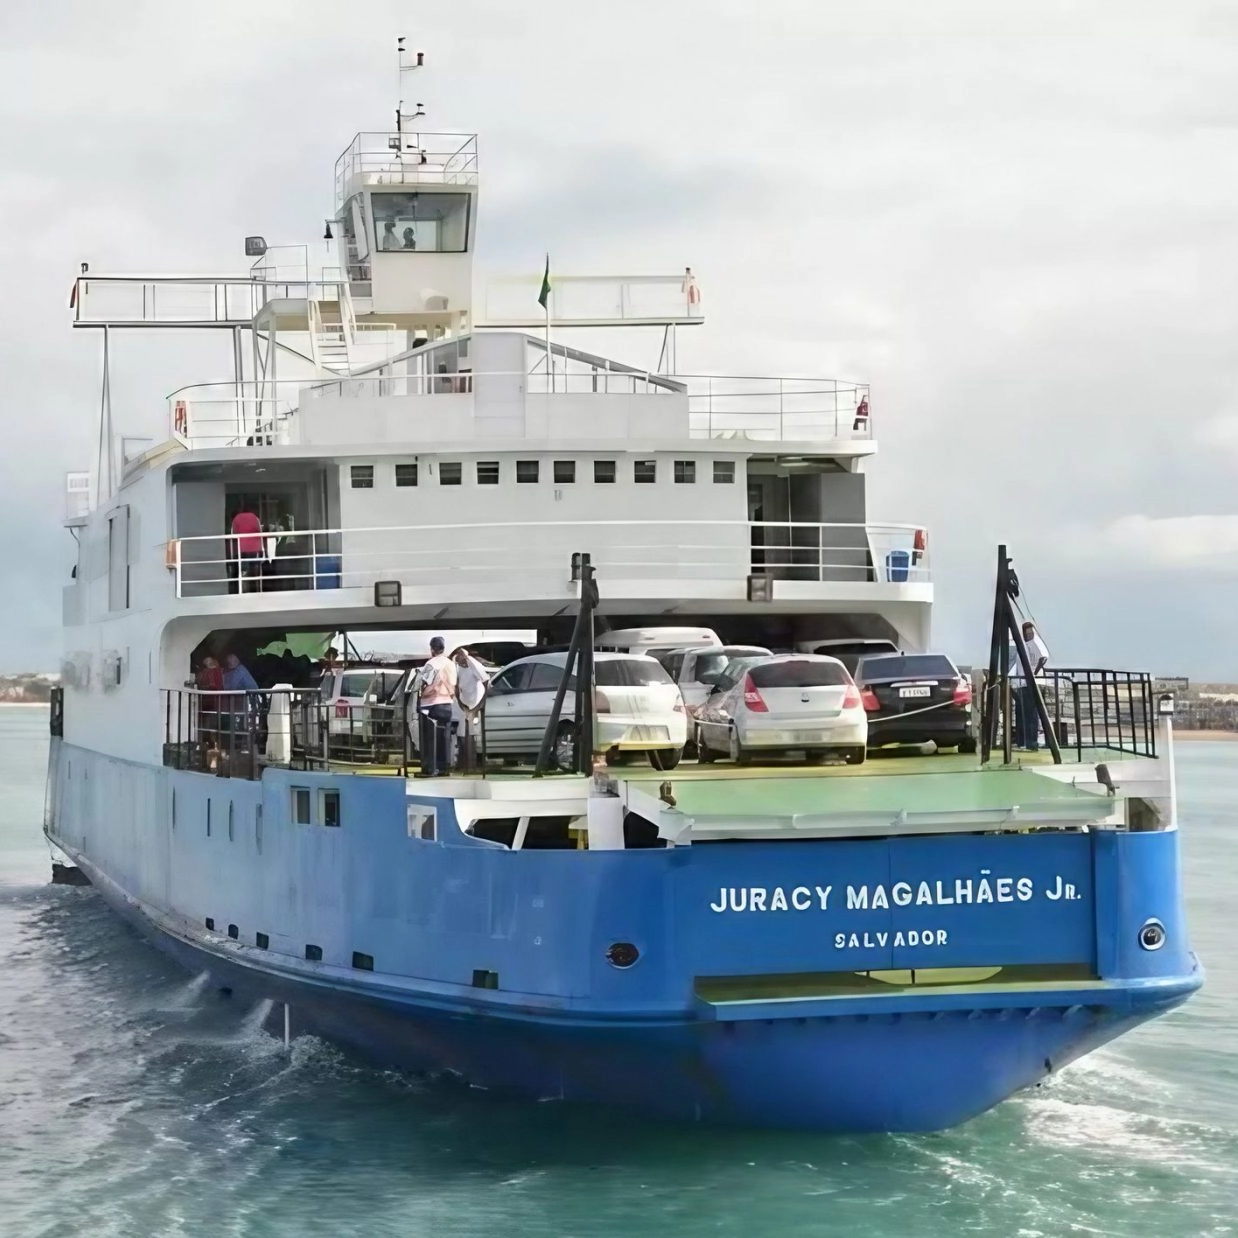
{"type": "Point", "coordinates": [328, 337]}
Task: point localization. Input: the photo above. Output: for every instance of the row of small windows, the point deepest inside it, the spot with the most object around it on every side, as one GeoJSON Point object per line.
{"type": "Point", "coordinates": [528, 472]}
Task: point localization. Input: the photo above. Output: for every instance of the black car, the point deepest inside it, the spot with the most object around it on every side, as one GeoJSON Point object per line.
{"type": "Point", "coordinates": [911, 698]}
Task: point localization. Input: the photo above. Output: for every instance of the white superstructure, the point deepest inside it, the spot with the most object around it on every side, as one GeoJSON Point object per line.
{"type": "Point", "coordinates": [388, 434]}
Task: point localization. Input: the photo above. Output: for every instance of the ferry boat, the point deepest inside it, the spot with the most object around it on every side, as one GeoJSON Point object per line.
{"type": "Point", "coordinates": [896, 945]}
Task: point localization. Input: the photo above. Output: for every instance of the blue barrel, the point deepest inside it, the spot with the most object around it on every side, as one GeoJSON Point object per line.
{"type": "Point", "coordinates": [327, 571]}
{"type": "Point", "coordinates": [898, 564]}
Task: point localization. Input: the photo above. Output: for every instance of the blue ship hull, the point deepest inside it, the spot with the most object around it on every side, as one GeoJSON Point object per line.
{"type": "Point", "coordinates": [564, 1024]}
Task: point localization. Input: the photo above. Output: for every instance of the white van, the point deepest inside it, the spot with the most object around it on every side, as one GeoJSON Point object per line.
{"type": "Point", "coordinates": [653, 640]}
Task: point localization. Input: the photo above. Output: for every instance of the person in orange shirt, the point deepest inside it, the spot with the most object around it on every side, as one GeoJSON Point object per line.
{"type": "Point", "coordinates": [247, 534]}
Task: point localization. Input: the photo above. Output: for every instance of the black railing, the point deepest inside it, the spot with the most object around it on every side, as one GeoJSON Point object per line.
{"type": "Point", "coordinates": [238, 734]}
{"type": "Point", "coordinates": [1094, 708]}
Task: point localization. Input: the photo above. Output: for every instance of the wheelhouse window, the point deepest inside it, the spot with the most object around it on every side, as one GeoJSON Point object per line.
{"type": "Point", "coordinates": [406, 474]}
{"type": "Point", "coordinates": [450, 473]}
{"type": "Point", "coordinates": [565, 472]}
{"type": "Point", "coordinates": [685, 472]}
{"type": "Point", "coordinates": [428, 222]}
{"type": "Point", "coordinates": [527, 470]}
{"type": "Point", "coordinates": [644, 472]}
{"type": "Point", "coordinates": [487, 472]}
{"type": "Point", "coordinates": [724, 472]}
{"type": "Point", "coordinates": [361, 476]}
{"type": "Point", "coordinates": [604, 472]}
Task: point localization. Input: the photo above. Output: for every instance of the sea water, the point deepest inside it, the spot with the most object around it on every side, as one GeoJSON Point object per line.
{"type": "Point", "coordinates": [137, 1101]}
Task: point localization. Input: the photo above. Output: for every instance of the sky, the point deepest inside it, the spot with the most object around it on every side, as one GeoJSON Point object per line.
{"type": "Point", "coordinates": [1016, 221]}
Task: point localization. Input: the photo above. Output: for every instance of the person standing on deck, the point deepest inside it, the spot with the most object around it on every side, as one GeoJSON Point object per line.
{"type": "Point", "coordinates": [472, 682]}
{"type": "Point", "coordinates": [247, 533]}
{"type": "Point", "coordinates": [435, 688]}
{"type": "Point", "coordinates": [1026, 721]}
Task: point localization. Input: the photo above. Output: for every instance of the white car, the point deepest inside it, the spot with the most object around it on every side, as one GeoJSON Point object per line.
{"type": "Point", "coordinates": [790, 702]}
{"type": "Point", "coordinates": [697, 669]}
{"type": "Point", "coordinates": [363, 710]}
{"type": "Point", "coordinates": [637, 708]}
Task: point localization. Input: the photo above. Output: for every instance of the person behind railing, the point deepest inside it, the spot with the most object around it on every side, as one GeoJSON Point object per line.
{"type": "Point", "coordinates": [410, 239]}
{"type": "Point", "coordinates": [1023, 693]}
{"type": "Point", "coordinates": [247, 536]}
{"type": "Point", "coordinates": [238, 681]}
{"type": "Point", "coordinates": [472, 683]}
{"type": "Point", "coordinates": [209, 679]}
{"type": "Point", "coordinates": [389, 238]}
{"type": "Point", "coordinates": [434, 689]}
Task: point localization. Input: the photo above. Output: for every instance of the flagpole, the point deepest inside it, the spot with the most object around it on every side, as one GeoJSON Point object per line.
{"type": "Point", "coordinates": [549, 358]}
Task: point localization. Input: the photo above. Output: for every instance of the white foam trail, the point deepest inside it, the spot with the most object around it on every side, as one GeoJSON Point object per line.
{"type": "Point", "coordinates": [256, 1019]}
{"type": "Point", "coordinates": [188, 993]}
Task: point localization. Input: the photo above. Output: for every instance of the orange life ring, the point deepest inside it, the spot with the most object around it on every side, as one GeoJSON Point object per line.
{"type": "Point", "coordinates": [919, 545]}
{"type": "Point", "coordinates": [180, 417]}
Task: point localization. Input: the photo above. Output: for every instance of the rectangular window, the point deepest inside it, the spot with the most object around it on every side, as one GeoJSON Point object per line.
{"type": "Point", "coordinates": [362, 962]}
{"type": "Point", "coordinates": [406, 474]}
{"type": "Point", "coordinates": [565, 472]}
{"type": "Point", "coordinates": [604, 472]}
{"type": "Point", "coordinates": [724, 472]}
{"type": "Point", "coordinates": [301, 806]}
{"type": "Point", "coordinates": [313, 953]}
{"type": "Point", "coordinates": [527, 470]}
{"type": "Point", "coordinates": [487, 472]}
{"type": "Point", "coordinates": [361, 476]}
{"type": "Point", "coordinates": [685, 472]}
{"type": "Point", "coordinates": [413, 222]}
{"type": "Point", "coordinates": [262, 941]}
{"type": "Point", "coordinates": [450, 473]}
{"type": "Point", "coordinates": [644, 472]}
{"type": "Point", "coordinates": [329, 807]}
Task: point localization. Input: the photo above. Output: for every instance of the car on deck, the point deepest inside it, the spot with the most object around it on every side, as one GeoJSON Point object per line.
{"type": "Point", "coordinates": [783, 703]}
{"type": "Point", "coordinates": [915, 698]}
{"type": "Point", "coordinates": [697, 668]}
{"type": "Point", "coordinates": [848, 650]}
{"type": "Point", "coordinates": [637, 708]}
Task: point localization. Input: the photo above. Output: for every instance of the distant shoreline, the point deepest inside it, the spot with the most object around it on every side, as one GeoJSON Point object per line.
{"type": "Point", "coordinates": [24, 704]}
{"type": "Point", "coordinates": [1222, 736]}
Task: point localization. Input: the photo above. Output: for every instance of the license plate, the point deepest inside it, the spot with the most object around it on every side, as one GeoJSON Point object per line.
{"type": "Point", "coordinates": [915, 692]}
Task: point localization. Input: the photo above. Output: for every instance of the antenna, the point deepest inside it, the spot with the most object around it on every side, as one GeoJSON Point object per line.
{"type": "Point", "coordinates": [403, 66]}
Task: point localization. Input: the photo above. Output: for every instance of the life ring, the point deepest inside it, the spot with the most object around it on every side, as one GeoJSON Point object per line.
{"type": "Point", "coordinates": [180, 417]}
{"type": "Point", "coordinates": [919, 545]}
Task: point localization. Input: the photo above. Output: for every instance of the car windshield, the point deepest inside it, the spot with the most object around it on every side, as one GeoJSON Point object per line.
{"type": "Point", "coordinates": [715, 661]}
{"type": "Point", "coordinates": [625, 673]}
{"type": "Point", "coordinates": [908, 666]}
{"type": "Point", "coordinates": [798, 674]}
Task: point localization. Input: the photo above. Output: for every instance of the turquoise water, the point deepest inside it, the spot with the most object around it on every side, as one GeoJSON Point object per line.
{"type": "Point", "coordinates": [136, 1102]}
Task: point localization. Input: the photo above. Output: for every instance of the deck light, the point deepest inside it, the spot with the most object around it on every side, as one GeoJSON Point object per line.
{"type": "Point", "coordinates": [387, 593]}
{"type": "Point", "coordinates": [1165, 704]}
{"type": "Point", "coordinates": [255, 247]}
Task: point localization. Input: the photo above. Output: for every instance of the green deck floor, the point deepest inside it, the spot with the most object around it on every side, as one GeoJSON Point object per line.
{"type": "Point", "coordinates": [943, 783]}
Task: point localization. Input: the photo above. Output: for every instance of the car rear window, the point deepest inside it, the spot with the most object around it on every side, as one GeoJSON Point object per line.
{"type": "Point", "coordinates": [798, 675]}
{"type": "Point", "coordinates": [713, 663]}
{"type": "Point", "coordinates": [908, 666]}
{"type": "Point", "coordinates": [356, 685]}
{"type": "Point", "coordinates": [622, 673]}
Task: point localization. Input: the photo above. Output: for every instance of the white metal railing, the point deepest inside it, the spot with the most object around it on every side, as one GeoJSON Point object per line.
{"type": "Point", "coordinates": [575, 300]}
{"type": "Point", "coordinates": [406, 159]}
{"type": "Point", "coordinates": [740, 408]}
{"type": "Point", "coordinates": [187, 300]}
{"type": "Point", "coordinates": [468, 557]}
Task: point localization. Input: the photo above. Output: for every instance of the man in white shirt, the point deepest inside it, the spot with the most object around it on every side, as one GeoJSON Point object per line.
{"type": "Point", "coordinates": [472, 681]}
{"type": "Point", "coordinates": [1026, 721]}
{"type": "Point", "coordinates": [435, 688]}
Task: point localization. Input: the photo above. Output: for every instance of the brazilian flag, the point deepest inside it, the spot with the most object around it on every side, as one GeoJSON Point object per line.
{"type": "Point", "coordinates": [543, 297]}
